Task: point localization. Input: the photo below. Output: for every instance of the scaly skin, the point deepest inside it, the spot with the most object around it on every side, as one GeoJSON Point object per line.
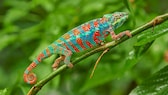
{"type": "Point", "coordinates": [80, 38]}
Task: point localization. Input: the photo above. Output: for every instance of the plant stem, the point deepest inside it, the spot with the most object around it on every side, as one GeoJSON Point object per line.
{"type": "Point", "coordinates": [158, 20]}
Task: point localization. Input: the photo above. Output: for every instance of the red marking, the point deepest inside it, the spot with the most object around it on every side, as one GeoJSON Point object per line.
{"type": "Point", "coordinates": [79, 41]}
{"type": "Point", "coordinates": [74, 47]}
{"type": "Point", "coordinates": [95, 35]}
{"type": "Point", "coordinates": [76, 32]}
{"type": "Point", "coordinates": [40, 56]}
{"type": "Point", "coordinates": [96, 24]}
{"type": "Point", "coordinates": [86, 27]}
{"type": "Point", "coordinates": [89, 44]}
{"type": "Point", "coordinates": [48, 52]}
{"type": "Point", "coordinates": [65, 46]}
{"type": "Point", "coordinates": [29, 68]}
{"type": "Point", "coordinates": [32, 65]}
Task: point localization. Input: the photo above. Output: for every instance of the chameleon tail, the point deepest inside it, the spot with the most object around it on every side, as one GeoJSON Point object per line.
{"type": "Point", "coordinates": [30, 77]}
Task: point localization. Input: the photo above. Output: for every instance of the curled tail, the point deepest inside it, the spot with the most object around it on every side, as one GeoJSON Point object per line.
{"type": "Point", "coordinates": [30, 77]}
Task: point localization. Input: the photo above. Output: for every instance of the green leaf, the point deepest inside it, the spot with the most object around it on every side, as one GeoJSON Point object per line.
{"type": "Point", "coordinates": [127, 4]}
{"type": "Point", "coordinates": [6, 40]}
{"type": "Point", "coordinates": [149, 36]}
{"type": "Point", "coordinates": [103, 74]}
{"type": "Point", "coordinates": [135, 55]}
{"type": "Point", "coordinates": [13, 15]}
{"type": "Point", "coordinates": [97, 80]}
{"type": "Point", "coordinates": [154, 85]}
{"type": "Point", "coordinates": [131, 60]}
{"type": "Point", "coordinates": [91, 7]}
{"type": "Point", "coordinates": [139, 50]}
{"type": "Point", "coordinates": [144, 41]}
{"type": "Point", "coordinates": [3, 92]}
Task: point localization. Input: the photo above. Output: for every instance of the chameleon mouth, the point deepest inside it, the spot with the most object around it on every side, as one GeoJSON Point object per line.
{"type": "Point", "coordinates": [126, 15]}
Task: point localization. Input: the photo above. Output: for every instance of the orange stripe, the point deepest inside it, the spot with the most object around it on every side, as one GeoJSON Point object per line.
{"type": "Point", "coordinates": [48, 51]}
{"type": "Point", "coordinates": [86, 27]}
{"type": "Point", "coordinates": [29, 68]}
{"type": "Point", "coordinates": [96, 24]}
{"type": "Point", "coordinates": [33, 65]}
{"type": "Point", "coordinates": [40, 56]}
{"type": "Point", "coordinates": [76, 32]}
{"type": "Point", "coordinates": [65, 46]}
{"type": "Point", "coordinates": [74, 47]}
{"type": "Point", "coordinates": [79, 41]}
{"type": "Point", "coordinates": [89, 44]}
{"type": "Point", "coordinates": [66, 36]}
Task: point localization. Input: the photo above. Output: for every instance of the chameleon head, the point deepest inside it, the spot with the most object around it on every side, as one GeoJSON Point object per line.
{"type": "Point", "coordinates": [116, 19]}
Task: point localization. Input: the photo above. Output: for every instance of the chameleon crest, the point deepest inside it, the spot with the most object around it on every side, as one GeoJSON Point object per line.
{"type": "Point", "coordinates": [85, 36]}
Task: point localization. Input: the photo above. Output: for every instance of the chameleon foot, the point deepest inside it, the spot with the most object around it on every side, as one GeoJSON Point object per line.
{"type": "Point", "coordinates": [70, 65]}
{"type": "Point", "coordinates": [127, 32]}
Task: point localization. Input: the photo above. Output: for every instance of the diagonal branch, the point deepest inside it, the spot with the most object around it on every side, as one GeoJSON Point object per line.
{"type": "Point", "coordinates": [158, 20]}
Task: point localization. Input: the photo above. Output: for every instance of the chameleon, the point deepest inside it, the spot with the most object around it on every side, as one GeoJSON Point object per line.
{"type": "Point", "coordinates": [80, 38]}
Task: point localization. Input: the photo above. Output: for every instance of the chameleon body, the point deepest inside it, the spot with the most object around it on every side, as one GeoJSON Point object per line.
{"type": "Point", "coordinates": [80, 38]}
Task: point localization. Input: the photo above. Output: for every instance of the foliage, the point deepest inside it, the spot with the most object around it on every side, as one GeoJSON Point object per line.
{"type": "Point", "coordinates": [156, 84]}
{"type": "Point", "coordinates": [28, 26]}
{"type": "Point", "coordinates": [3, 92]}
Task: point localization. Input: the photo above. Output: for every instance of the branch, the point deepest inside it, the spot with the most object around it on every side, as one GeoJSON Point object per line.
{"type": "Point", "coordinates": [158, 20]}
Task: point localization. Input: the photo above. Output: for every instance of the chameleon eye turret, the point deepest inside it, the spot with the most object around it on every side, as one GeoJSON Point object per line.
{"type": "Point", "coordinates": [116, 19]}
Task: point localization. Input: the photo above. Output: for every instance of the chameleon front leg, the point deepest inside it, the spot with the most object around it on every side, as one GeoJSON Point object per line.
{"type": "Point", "coordinates": [120, 35]}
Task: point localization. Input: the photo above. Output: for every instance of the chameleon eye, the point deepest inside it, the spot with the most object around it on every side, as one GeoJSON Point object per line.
{"type": "Point", "coordinates": [117, 16]}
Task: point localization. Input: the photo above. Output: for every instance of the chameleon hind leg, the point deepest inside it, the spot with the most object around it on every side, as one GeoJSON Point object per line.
{"type": "Point", "coordinates": [68, 54]}
{"type": "Point", "coordinates": [65, 56]}
{"type": "Point", "coordinates": [57, 62]}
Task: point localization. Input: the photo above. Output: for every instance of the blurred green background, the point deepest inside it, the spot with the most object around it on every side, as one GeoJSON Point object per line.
{"type": "Point", "coordinates": [28, 26]}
